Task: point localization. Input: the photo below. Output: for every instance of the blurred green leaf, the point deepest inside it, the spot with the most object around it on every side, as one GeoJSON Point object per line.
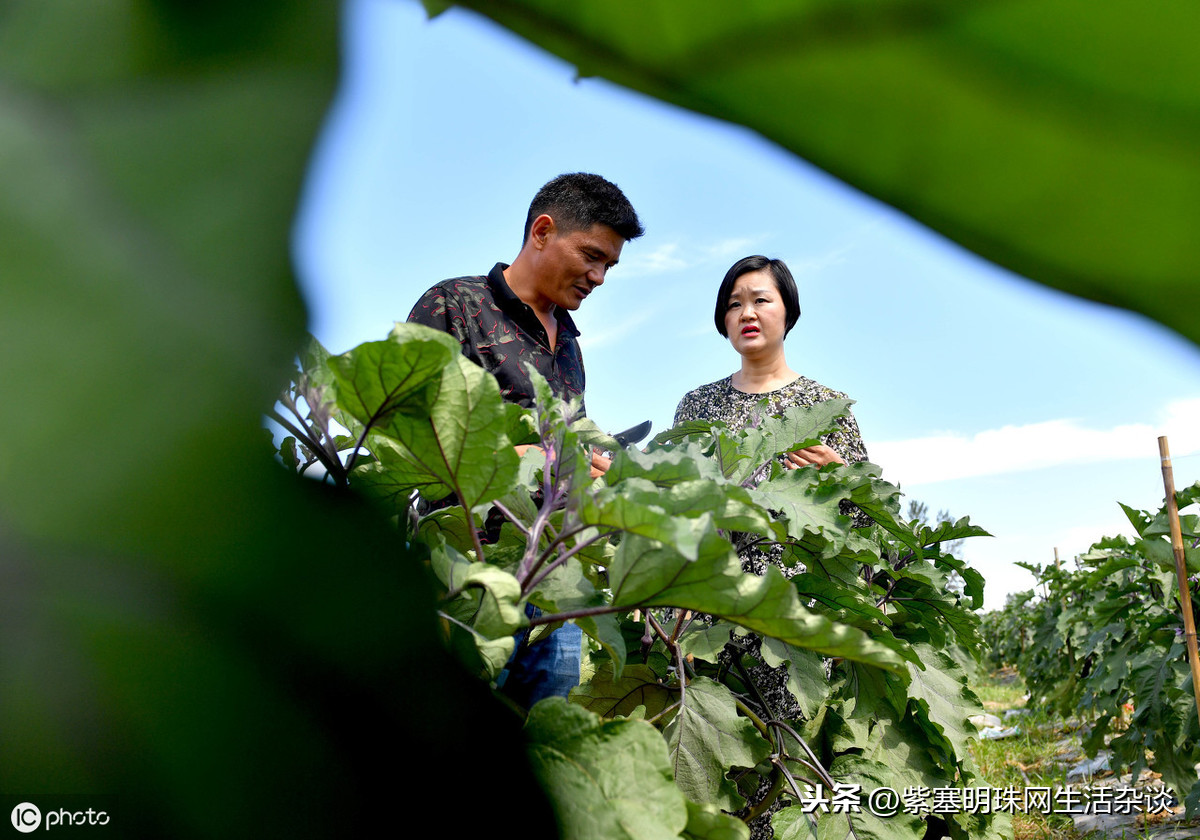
{"type": "Point", "coordinates": [1054, 137]}
{"type": "Point", "coordinates": [182, 622]}
{"type": "Point", "coordinates": [706, 822]}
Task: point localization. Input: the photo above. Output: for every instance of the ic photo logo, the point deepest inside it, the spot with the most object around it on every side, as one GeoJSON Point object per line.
{"type": "Point", "coordinates": [26, 817]}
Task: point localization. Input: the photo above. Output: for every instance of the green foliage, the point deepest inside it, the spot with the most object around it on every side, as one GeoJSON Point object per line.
{"type": "Point", "coordinates": [1106, 638]}
{"type": "Point", "coordinates": [608, 778]}
{"type": "Point", "coordinates": [1052, 137]}
{"type": "Point", "coordinates": [214, 641]}
{"type": "Point", "coordinates": [706, 684]}
{"type": "Point", "coordinates": [182, 624]}
{"type": "Point", "coordinates": [1009, 630]}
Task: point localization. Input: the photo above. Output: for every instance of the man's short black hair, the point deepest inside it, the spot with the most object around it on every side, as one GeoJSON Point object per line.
{"type": "Point", "coordinates": [783, 282]}
{"type": "Point", "coordinates": [578, 200]}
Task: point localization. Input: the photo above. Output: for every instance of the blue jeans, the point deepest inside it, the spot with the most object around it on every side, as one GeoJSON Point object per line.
{"type": "Point", "coordinates": [547, 668]}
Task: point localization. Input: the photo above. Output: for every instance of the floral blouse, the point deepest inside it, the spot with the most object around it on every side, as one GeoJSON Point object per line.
{"type": "Point", "coordinates": [737, 409]}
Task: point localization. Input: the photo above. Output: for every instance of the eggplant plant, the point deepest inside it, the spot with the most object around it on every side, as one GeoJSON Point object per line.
{"type": "Point", "coordinates": [712, 700]}
{"type": "Point", "coordinates": [1107, 639]}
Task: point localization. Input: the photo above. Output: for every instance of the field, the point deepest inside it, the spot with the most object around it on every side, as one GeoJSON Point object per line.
{"type": "Point", "coordinates": [1042, 753]}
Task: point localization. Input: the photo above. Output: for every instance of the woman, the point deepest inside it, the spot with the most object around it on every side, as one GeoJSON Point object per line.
{"type": "Point", "coordinates": [757, 306]}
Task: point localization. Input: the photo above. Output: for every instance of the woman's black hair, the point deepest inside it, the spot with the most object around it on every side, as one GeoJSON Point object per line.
{"type": "Point", "coordinates": [783, 282]}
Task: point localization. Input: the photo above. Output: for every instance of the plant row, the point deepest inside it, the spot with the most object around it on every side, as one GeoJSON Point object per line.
{"type": "Point", "coordinates": [1106, 639]}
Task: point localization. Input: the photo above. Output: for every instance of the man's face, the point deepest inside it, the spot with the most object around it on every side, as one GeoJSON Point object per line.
{"type": "Point", "coordinates": [572, 264]}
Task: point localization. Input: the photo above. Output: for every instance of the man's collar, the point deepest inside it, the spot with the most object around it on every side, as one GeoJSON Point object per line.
{"type": "Point", "coordinates": [507, 300]}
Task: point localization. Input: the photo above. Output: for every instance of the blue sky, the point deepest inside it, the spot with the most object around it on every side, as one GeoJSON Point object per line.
{"type": "Point", "coordinates": [977, 391]}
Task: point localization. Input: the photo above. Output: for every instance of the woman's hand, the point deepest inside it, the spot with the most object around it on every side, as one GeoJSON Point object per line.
{"type": "Point", "coordinates": [811, 456]}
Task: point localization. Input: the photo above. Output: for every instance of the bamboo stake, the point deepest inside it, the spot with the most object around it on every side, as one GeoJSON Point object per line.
{"type": "Point", "coordinates": [1185, 596]}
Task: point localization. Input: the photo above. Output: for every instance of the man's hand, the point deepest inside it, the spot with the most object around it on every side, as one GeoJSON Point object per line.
{"type": "Point", "coordinates": [811, 456]}
{"type": "Point", "coordinates": [599, 466]}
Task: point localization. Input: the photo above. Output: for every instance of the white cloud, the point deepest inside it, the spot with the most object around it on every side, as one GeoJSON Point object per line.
{"type": "Point", "coordinates": [611, 331]}
{"type": "Point", "coordinates": [732, 247]}
{"type": "Point", "coordinates": [683, 256]}
{"type": "Point", "coordinates": [1033, 446]}
{"type": "Point", "coordinates": [663, 258]}
{"type": "Point", "coordinates": [677, 256]}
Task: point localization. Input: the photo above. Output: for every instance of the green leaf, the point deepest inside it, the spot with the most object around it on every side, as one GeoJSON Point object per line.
{"type": "Point", "coordinates": [807, 504]}
{"type": "Point", "coordinates": [589, 434]}
{"type": "Point", "coordinates": [879, 500]}
{"type": "Point", "coordinates": [869, 775]}
{"type": "Point", "coordinates": [607, 780]}
{"type": "Point", "coordinates": [708, 736]}
{"type": "Point", "coordinates": [923, 610]}
{"type": "Point", "coordinates": [793, 824]}
{"type": "Point", "coordinates": [806, 673]}
{"type": "Point", "coordinates": [648, 573]}
{"type": "Point", "coordinates": [850, 602]}
{"type": "Point", "coordinates": [873, 692]}
{"type": "Point", "coordinates": [483, 655]}
{"type": "Point", "coordinates": [732, 508]}
{"type": "Point", "coordinates": [1163, 707]}
{"type": "Point", "coordinates": [741, 454]}
{"type": "Point", "coordinates": [499, 611]}
{"type": "Point", "coordinates": [637, 687]}
{"type": "Point", "coordinates": [640, 515]}
{"type": "Point", "coordinates": [705, 641]}
{"type": "Point", "coordinates": [943, 701]}
{"type": "Point", "coordinates": [951, 531]}
{"type": "Point", "coordinates": [663, 467]}
{"type": "Point", "coordinates": [393, 475]}
{"type": "Point", "coordinates": [797, 427]}
{"type": "Point", "coordinates": [379, 378]}
{"type": "Point", "coordinates": [447, 524]}
{"type": "Point", "coordinates": [287, 453]}
{"type": "Point", "coordinates": [567, 589]}
{"type": "Point", "coordinates": [519, 426]}
{"type": "Point", "coordinates": [1069, 161]}
{"type": "Point", "coordinates": [706, 822]}
{"type": "Point", "coordinates": [696, 430]}
{"type": "Point", "coordinates": [461, 442]}
{"type": "Point", "coordinates": [482, 619]}
{"type": "Point", "coordinates": [903, 747]}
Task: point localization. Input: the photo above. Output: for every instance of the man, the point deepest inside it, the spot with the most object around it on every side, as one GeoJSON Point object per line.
{"type": "Point", "coordinates": [575, 229]}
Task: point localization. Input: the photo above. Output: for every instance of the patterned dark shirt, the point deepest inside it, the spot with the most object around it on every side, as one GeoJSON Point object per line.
{"type": "Point", "coordinates": [500, 332]}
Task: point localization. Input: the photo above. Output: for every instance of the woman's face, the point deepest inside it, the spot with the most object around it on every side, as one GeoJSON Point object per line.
{"type": "Point", "coordinates": [755, 316]}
